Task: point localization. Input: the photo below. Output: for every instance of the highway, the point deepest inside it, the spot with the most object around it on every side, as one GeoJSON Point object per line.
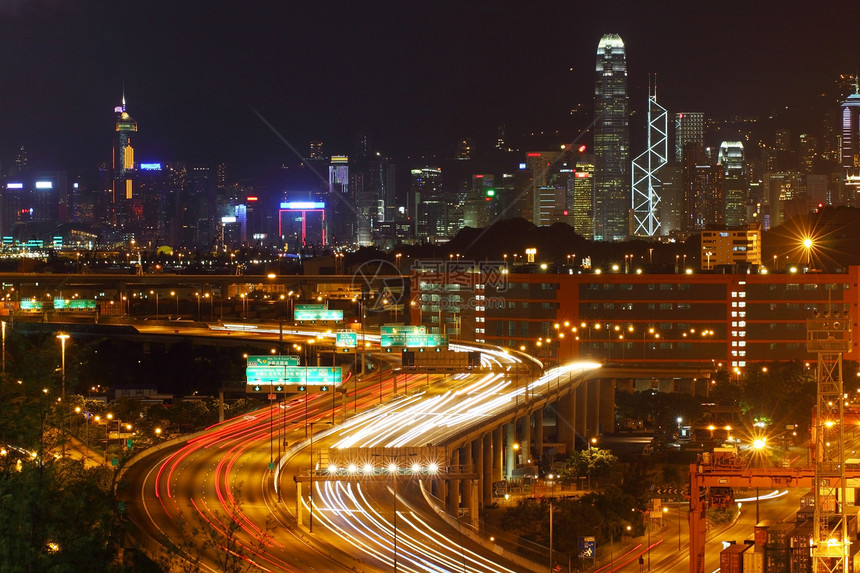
{"type": "Point", "coordinates": [669, 543]}
{"type": "Point", "coordinates": [217, 500]}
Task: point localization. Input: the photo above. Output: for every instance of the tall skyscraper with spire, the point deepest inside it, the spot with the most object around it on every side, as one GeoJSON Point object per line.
{"type": "Point", "coordinates": [611, 142]}
{"type": "Point", "coordinates": [123, 166]}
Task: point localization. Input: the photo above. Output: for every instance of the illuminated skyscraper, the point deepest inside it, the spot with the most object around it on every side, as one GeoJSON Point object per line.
{"type": "Point", "coordinates": [645, 183]}
{"type": "Point", "coordinates": [735, 186]}
{"type": "Point", "coordinates": [427, 207]}
{"type": "Point", "coordinates": [123, 165]}
{"type": "Point", "coordinates": [583, 195]}
{"type": "Point", "coordinates": [611, 142]}
{"type": "Point", "coordinates": [689, 127]}
{"type": "Point", "coordinates": [341, 202]}
{"type": "Point", "coordinates": [849, 139]}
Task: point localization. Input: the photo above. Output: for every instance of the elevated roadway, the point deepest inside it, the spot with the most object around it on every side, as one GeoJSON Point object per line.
{"type": "Point", "coordinates": [242, 481]}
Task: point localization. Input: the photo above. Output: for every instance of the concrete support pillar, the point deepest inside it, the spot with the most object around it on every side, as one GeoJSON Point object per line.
{"type": "Point", "coordinates": [581, 405]}
{"type": "Point", "coordinates": [498, 454]}
{"type": "Point", "coordinates": [607, 406]}
{"type": "Point", "coordinates": [474, 516]}
{"type": "Point", "coordinates": [538, 449]}
{"type": "Point", "coordinates": [625, 384]}
{"type": "Point", "coordinates": [299, 506]}
{"type": "Point", "coordinates": [437, 488]}
{"type": "Point", "coordinates": [467, 485]}
{"type": "Point", "coordinates": [510, 453]}
{"type": "Point", "coordinates": [485, 463]}
{"type": "Point", "coordinates": [565, 420]}
{"type": "Point", "coordinates": [452, 505]}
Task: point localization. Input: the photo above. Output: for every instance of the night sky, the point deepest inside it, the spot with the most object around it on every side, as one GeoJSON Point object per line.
{"type": "Point", "coordinates": [416, 76]}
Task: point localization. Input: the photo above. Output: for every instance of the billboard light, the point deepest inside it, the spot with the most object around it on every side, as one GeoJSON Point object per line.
{"type": "Point", "coordinates": [228, 219]}
{"type": "Point", "coordinates": [44, 184]}
{"type": "Point", "coordinates": [14, 186]}
{"type": "Point", "coordinates": [150, 166]}
{"type": "Point", "coordinates": [302, 205]}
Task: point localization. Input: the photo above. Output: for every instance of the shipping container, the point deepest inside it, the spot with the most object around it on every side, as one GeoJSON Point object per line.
{"type": "Point", "coordinates": [732, 559]}
{"type": "Point", "coordinates": [761, 532]}
{"type": "Point", "coordinates": [754, 559]}
{"type": "Point", "coordinates": [801, 540]}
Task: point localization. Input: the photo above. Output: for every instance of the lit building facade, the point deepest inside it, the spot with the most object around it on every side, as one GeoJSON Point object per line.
{"type": "Point", "coordinates": [706, 320]}
{"type": "Point", "coordinates": [611, 142]}
{"type": "Point", "coordinates": [32, 197]}
{"type": "Point", "coordinates": [735, 247]}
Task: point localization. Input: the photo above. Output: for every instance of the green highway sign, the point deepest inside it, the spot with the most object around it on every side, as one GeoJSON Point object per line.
{"type": "Point", "coordinates": [311, 376]}
{"type": "Point", "coordinates": [74, 304]}
{"type": "Point", "coordinates": [402, 329]}
{"type": "Point", "coordinates": [268, 360]}
{"type": "Point", "coordinates": [31, 305]}
{"type": "Point", "coordinates": [346, 339]}
{"type": "Point", "coordinates": [436, 340]}
{"type": "Point", "coordinates": [316, 312]}
{"type": "Point", "coordinates": [410, 337]}
{"type": "Point", "coordinates": [268, 369]}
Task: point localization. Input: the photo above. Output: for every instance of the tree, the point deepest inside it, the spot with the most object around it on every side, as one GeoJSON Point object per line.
{"type": "Point", "coordinates": [593, 463]}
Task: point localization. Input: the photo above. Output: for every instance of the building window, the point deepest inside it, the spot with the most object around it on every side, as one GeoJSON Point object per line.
{"type": "Point", "coordinates": [665, 286]}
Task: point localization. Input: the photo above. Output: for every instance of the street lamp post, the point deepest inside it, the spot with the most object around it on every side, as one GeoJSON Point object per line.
{"type": "Point", "coordinates": [108, 419]}
{"type": "Point", "coordinates": [807, 245]}
{"type": "Point", "coordinates": [551, 504]}
{"type": "Point", "coordinates": [197, 294]}
{"type": "Point", "coordinates": [311, 493]}
{"type": "Point", "coordinates": [156, 300]}
{"type": "Point", "coordinates": [62, 337]}
{"type": "Point", "coordinates": [176, 295]}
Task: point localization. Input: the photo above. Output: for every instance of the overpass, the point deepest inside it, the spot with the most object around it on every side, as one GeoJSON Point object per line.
{"type": "Point", "coordinates": [476, 451]}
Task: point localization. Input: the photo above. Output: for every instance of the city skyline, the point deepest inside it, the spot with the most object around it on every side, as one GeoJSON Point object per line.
{"type": "Point", "coordinates": [417, 79]}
